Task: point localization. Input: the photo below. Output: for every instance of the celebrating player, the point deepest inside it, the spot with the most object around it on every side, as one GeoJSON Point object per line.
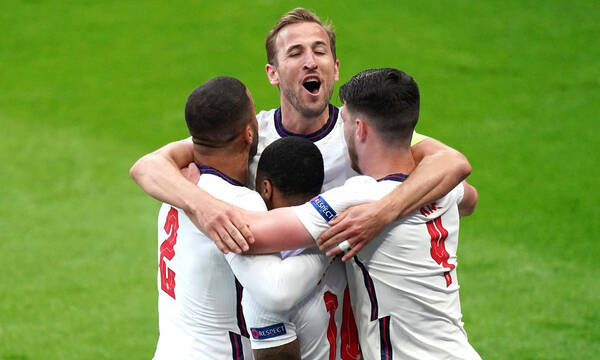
{"type": "Point", "coordinates": [403, 284]}
{"type": "Point", "coordinates": [302, 63]}
{"type": "Point", "coordinates": [439, 168]}
{"type": "Point", "coordinates": [290, 172]}
{"type": "Point", "coordinates": [200, 312]}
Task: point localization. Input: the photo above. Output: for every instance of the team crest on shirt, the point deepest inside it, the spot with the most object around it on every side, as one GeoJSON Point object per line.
{"type": "Point", "coordinates": [268, 332]}
{"type": "Point", "coordinates": [324, 209]}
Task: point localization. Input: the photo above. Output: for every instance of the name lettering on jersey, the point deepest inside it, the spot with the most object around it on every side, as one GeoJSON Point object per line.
{"type": "Point", "coordinates": [268, 332]}
{"type": "Point", "coordinates": [323, 208]}
{"type": "Point", "coordinates": [429, 209]}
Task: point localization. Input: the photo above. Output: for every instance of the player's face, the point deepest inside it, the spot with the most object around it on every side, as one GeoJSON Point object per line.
{"type": "Point", "coordinates": [349, 131]}
{"type": "Point", "coordinates": [306, 70]}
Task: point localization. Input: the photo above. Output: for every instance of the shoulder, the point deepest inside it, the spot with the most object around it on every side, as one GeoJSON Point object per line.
{"type": "Point", "coordinates": [265, 116]}
{"type": "Point", "coordinates": [250, 200]}
{"type": "Point", "coordinates": [368, 184]}
{"type": "Point", "coordinates": [267, 130]}
{"type": "Point", "coordinates": [439, 207]}
{"type": "Point", "coordinates": [355, 190]}
{"type": "Point", "coordinates": [360, 184]}
{"type": "Point", "coordinates": [237, 195]}
{"type": "Point", "coordinates": [417, 138]}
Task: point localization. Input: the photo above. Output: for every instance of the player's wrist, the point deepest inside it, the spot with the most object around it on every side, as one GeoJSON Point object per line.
{"type": "Point", "coordinates": [192, 205]}
{"type": "Point", "coordinates": [390, 209]}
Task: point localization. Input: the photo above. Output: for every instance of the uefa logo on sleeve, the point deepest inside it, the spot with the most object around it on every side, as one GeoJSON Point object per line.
{"type": "Point", "coordinates": [268, 332]}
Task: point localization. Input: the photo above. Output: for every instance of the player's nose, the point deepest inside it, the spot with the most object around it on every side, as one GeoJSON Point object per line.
{"type": "Point", "coordinates": [309, 61]}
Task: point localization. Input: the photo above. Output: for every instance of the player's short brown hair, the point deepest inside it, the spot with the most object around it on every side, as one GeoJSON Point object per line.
{"type": "Point", "coordinates": [296, 16]}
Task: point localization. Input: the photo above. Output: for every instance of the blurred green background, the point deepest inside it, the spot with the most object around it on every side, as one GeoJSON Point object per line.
{"type": "Point", "coordinates": [87, 87]}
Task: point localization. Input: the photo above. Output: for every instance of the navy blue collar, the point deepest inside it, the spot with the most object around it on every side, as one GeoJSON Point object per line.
{"type": "Point", "coordinates": [211, 170]}
{"type": "Point", "coordinates": [394, 177]}
{"type": "Point", "coordinates": [317, 135]}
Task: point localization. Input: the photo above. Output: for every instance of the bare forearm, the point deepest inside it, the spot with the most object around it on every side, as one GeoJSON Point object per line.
{"type": "Point", "coordinates": [277, 230]}
{"type": "Point", "coordinates": [159, 175]}
{"type": "Point", "coordinates": [162, 180]}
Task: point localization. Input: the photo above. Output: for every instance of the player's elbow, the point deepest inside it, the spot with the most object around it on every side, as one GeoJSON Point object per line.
{"type": "Point", "coordinates": [137, 170]}
{"type": "Point", "coordinates": [462, 166]}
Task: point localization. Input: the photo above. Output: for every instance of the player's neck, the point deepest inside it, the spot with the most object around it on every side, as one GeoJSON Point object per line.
{"type": "Point", "coordinates": [232, 164]}
{"type": "Point", "coordinates": [382, 160]}
{"type": "Point", "coordinates": [294, 121]}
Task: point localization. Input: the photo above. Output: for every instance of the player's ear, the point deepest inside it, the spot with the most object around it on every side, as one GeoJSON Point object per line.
{"type": "Point", "coordinates": [272, 74]}
{"type": "Point", "coordinates": [249, 134]}
{"type": "Point", "coordinates": [266, 191]}
{"type": "Point", "coordinates": [361, 129]}
{"type": "Point", "coordinates": [336, 74]}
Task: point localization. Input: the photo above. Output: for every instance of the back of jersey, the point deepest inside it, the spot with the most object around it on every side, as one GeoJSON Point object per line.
{"type": "Point", "coordinates": [404, 288]}
{"type": "Point", "coordinates": [199, 301]}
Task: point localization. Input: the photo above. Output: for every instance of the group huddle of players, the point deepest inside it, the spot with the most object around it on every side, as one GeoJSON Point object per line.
{"type": "Point", "coordinates": [354, 183]}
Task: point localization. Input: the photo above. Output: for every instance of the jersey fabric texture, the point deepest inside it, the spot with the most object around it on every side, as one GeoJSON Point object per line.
{"type": "Point", "coordinates": [322, 322]}
{"type": "Point", "coordinates": [403, 284]}
{"type": "Point", "coordinates": [199, 298]}
{"type": "Point", "coordinates": [277, 284]}
{"type": "Point", "coordinates": [317, 320]}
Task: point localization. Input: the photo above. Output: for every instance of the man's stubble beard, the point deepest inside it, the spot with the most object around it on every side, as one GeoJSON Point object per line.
{"type": "Point", "coordinates": [297, 103]}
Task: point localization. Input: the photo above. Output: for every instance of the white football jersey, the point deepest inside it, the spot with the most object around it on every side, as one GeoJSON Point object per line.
{"type": "Point", "coordinates": [403, 284]}
{"type": "Point", "coordinates": [329, 139]}
{"type": "Point", "coordinates": [323, 321]}
{"type": "Point", "coordinates": [199, 301]}
{"type": "Point", "coordinates": [318, 320]}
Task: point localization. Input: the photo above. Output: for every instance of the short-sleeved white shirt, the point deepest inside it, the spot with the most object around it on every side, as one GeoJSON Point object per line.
{"type": "Point", "coordinates": [322, 321]}
{"type": "Point", "coordinates": [199, 298]}
{"type": "Point", "coordinates": [403, 284]}
{"type": "Point", "coordinates": [309, 320]}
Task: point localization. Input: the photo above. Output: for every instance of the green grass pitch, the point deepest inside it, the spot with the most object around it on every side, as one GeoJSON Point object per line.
{"type": "Point", "coordinates": [89, 86]}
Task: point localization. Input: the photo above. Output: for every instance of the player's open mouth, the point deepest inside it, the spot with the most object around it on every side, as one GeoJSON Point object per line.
{"type": "Point", "coordinates": [312, 85]}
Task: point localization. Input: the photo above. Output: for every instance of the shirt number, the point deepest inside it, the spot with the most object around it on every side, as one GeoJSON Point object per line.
{"type": "Point", "coordinates": [167, 276]}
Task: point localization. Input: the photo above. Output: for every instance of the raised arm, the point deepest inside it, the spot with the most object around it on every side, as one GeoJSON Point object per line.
{"type": "Point", "coordinates": [158, 174]}
{"type": "Point", "coordinates": [440, 168]}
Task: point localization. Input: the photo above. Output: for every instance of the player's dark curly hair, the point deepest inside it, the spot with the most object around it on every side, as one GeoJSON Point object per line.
{"type": "Point", "coordinates": [388, 98]}
{"type": "Point", "coordinates": [294, 166]}
{"type": "Point", "coordinates": [217, 111]}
